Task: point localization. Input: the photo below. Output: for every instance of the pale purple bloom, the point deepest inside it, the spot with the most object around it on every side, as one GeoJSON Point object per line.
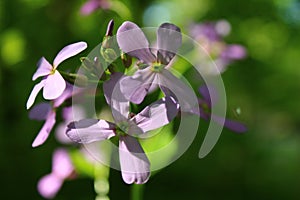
{"type": "Point", "coordinates": [47, 112]}
{"type": "Point", "coordinates": [134, 163]}
{"type": "Point", "coordinates": [210, 37]}
{"type": "Point", "coordinates": [93, 5]}
{"type": "Point", "coordinates": [62, 168]}
{"type": "Point", "coordinates": [204, 111]}
{"type": "Point", "coordinates": [53, 83]}
{"type": "Point", "coordinates": [132, 41]}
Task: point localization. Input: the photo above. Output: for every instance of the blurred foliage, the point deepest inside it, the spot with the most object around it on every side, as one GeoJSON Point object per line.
{"type": "Point", "coordinates": [262, 164]}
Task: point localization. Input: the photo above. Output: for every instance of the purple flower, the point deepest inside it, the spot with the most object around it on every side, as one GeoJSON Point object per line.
{"type": "Point", "coordinates": [53, 83]}
{"type": "Point", "coordinates": [93, 5]}
{"type": "Point", "coordinates": [47, 112]}
{"type": "Point", "coordinates": [132, 41]}
{"type": "Point", "coordinates": [134, 163]}
{"type": "Point", "coordinates": [205, 105]}
{"type": "Point", "coordinates": [210, 36]}
{"type": "Point", "coordinates": [62, 168]}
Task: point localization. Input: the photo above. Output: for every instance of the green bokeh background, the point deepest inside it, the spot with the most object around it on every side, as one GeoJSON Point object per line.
{"type": "Point", "coordinates": [264, 163]}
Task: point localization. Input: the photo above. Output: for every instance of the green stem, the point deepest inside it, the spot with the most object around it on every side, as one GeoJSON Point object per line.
{"type": "Point", "coordinates": [137, 191]}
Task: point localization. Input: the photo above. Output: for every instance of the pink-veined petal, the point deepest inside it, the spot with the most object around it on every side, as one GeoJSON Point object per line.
{"type": "Point", "coordinates": [157, 114]}
{"type": "Point", "coordinates": [61, 164]}
{"type": "Point", "coordinates": [90, 130]}
{"type": "Point", "coordinates": [69, 51]}
{"type": "Point", "coordinates": [135, 165]}
{"type": "Point", "coordinates": [169, 40]}
{"type": "Point", "coordinates": [34, 93]}
{"type": "Point", "coordinates": [54, 86]}
{"type": "Point", "coordinates": [133, 41]}
{"type": "Point", "coordinates": [44, 68]}
{"type": "Point", "coordinates": [49, 185]}
{"type": "Point", "coordinates": [136, 87]}
{"type": "Point", "coordinates": [45, 131]}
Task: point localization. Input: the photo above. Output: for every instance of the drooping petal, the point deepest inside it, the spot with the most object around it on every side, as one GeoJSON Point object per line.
{"type": "Point", "coordinates": [34, 93]}
{"type": "Point", "coordinates": [90, 130]}
{"type": "Point", "coordinates": [67, 93]}
{"type": "Point", "coordinates": [132, 41]}
{"type": "Point", "coordinates": [183, 94]}
{"type": "Point", "coordinates": [135, 165]}
{"type": "Point", "coordinates": [49, 185]}
{"type": "Point", "coordinates": [62, 165]}
{"type": "Point", "coordinates": [44, 68]}
{"type": "Point", "coordinates": [136, 87]}
{"type": "Point", "coordinates": [157, 114]}
{"type": "Point", "coordinates": [69, 51]}
{"type": "Point", "coordinates": [209, 94]}
{"type": "Point", "coordinates": [54, 86]}
{"type": "Point", "coordinates": [230, 124]}
{"type": "Point", "coordinates": [45, 131]}
{"type": "Point", "coordinates": [115, 98]}
{"type": "Point", "coordinates": [169, 40]}
{"type": "Point", "coordinates": [40, 111]}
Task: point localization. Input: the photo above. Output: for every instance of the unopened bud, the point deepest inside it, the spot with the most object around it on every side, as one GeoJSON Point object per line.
{"type": "Point", "coordinates": [108, 54]}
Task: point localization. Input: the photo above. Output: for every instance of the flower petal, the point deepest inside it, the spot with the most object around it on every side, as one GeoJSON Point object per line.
{"type": "Point", "coordinates": [44, 68]}
{"type": "Point", "coordinates": [54, 86]}
{"type": "Point", "coordinates": [132, 41]}
{"type": "Point", "coordinates": [45, 131]}
{"type": "Point", "coordinates": [230, 124]}
{"type": "Point", "coordinates": [69, 51]}
{"type": "Point", "coordinates": [234, 52]}
{"type": "Point", "coordinates": [169, 40]}
{"type": "Point", "coordinates": [49, 185]}
{"type": "Point", "coordinates": [67, 93]}
{"type": "Point", "coordinates": [34, 93]}
{"type": "Point", "coordinates": [209, 94]}
{"type": "Point", "coordinates": [157, 114]}
{"type": "Point", "coordinates": [184, 95]}
{"type": "Point", "coordinates": [115, 98]}
{"type": "Point", "coordinates": [90, 130]}
{"type": "Point", "coordinates": [136, 87]}
{"type": "Point", "coordinates": [135, 165]}
{"type": "Point", "coordinates": [40, 111]}
{"type": "Point", "coordinates": [62, 165]}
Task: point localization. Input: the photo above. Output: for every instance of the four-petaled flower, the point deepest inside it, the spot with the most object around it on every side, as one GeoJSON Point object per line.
{"type": "Point", "coordinates": [132, 41]}
{"type": "Point", "coordinates": [47, 112]}
{"type": "Point", "coordinates": [134, 163]}
{"type": "Point", "coordinates": [52, 82]}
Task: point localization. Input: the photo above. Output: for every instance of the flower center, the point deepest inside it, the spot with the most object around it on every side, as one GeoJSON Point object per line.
{"type": "Point", "coordinates": [52, 70]}
{"type": "Point", "coordinates": [157, 67]}
{"type": "Point", "coordinates": [122, 128]}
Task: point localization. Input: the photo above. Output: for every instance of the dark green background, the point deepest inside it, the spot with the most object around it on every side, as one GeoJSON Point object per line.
{"type": "Point", "coordinates": [264, 163]}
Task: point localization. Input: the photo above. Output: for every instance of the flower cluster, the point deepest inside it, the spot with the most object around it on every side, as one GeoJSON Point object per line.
{"type": "Point", "coordinates": [124, 86]}
{"type": "Point", "coordinates": [211, 35]}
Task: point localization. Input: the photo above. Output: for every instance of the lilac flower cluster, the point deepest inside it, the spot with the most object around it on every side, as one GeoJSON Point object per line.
{"type": "Point", "coordinates": [210, 36]}
{"type": "Point", "coordinates": [120, 91]}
